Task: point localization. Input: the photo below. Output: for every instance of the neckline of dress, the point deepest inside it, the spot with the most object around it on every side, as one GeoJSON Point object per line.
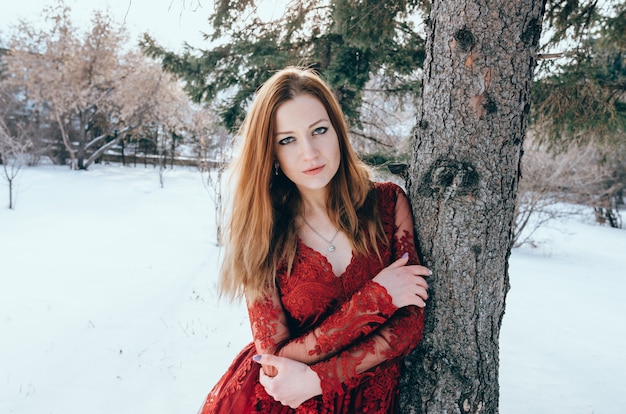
{"type": "Point", "coordinates": [330, 265]}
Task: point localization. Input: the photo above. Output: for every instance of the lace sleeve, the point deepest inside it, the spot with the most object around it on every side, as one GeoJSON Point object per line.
{"type": "Point", "coordinates": [269, 326]}
{"type": "Point", "coordinates": [367, 310]}
{"type": "Point", "coordinates": [393, 339]}
{"type": "Point", "coordinates": [404, 237]}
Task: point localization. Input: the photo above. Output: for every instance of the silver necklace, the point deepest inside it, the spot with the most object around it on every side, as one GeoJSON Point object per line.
{"type": "Point", "coordinates": [331, 246]}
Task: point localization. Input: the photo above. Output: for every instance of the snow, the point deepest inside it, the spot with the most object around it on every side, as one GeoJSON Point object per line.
{"type": "Point", "coordinates": [563, 335]}
{"type": "Point", "coordinates": [108, 302]}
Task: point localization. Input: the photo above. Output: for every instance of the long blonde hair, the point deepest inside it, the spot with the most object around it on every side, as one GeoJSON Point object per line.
{"type": "Point", "coordinates": [261, 232]}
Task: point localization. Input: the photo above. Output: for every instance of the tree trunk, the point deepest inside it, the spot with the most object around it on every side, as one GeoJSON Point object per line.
{"type": "Point", "coordinates": [83, 139]}
{"type": "Point", "coordinates": [66, 139]}
{"type": "Point", "coordinates": [123, 152]}
{"type": "Point", "coordinates": [462, 182]}
{"type": "Point", "coordinates": [10, 193]}
{"type": "Point", "coordinates": [173, 154]}
{"type": "Point", "coordinates": [93, 157]}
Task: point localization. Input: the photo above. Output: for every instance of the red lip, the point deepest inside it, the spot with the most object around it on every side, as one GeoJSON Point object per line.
{"type": "Point", "coordinates": [314, 171]}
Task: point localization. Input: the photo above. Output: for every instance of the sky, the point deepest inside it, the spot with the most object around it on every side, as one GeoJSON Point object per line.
{"type": "Point", "coordinates": [171, 22]}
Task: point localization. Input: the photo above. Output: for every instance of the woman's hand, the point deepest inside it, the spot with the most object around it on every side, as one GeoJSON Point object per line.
{"type": "Point", "coordinates": [405, 284]}
{"type": "Point", "coordinates": [295, 382]}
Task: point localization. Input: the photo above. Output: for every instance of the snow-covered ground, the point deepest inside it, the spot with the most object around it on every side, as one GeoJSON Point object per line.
{"type": "Point", "coordinates": [108, 305]}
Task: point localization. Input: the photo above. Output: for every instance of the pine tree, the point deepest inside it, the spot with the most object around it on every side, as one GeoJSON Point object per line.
{"type": "Point", "coordinates": [576, 97]}
{"type": "Point", "coordinates": [581, 97]}
{"type": "Point", "coordinates": [347, 41]}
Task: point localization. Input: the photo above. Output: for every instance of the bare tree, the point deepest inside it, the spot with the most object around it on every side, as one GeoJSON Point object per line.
{"type": "Point", "coordinates": [540, 191]}
{"type": "Point", "coordinates": [214, 152]}
{"type": "Point", "coordinates": [94, 88]}
{"type": "Point", "coordinates": [13, 153]}
{"type": "Point", "coordinates": [553, 185]}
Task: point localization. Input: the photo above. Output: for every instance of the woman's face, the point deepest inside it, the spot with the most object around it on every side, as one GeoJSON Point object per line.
{"type": "Point", "coordinates": [306, 144]}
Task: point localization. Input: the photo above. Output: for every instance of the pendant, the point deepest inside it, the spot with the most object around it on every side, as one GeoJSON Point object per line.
{"type": "Point", "coordinates": [331, 248]}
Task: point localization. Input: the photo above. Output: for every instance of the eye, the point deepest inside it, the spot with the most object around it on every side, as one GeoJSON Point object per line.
{"type": "Point", "coordinates": [320, 131]}
{"type": "Point", "coordinates": [286, 141]}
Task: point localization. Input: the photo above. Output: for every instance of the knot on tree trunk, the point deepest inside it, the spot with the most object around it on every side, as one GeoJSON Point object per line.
{"type": "Point", "coordinates": [465, 40]}
{"type": "Point", "coordinates": [449, 178]}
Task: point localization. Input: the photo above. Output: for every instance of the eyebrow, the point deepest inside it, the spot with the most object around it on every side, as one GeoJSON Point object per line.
{"type": "Point", "coordinates": [310, 126]}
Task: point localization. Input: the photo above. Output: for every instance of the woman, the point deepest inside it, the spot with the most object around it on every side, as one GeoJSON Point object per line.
{"type": "Point", "coordinates": [325, 259]}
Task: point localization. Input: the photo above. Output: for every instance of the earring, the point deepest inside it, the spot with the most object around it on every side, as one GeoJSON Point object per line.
{"type": "Point", "coordinates": [275, 168]}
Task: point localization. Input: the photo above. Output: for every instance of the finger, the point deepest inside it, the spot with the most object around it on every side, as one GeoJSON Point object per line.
{"type": "Point", "coordinates": [421, 282]}
{"type": "Point", "coordinates": [402, 261]}
{"type": "Point", "coordinates": [417, 299]}
{"type": "Point", "coordinates": [422, 293]}
{"type": "Point", "coordinates": [421, 303]}
{"type": "Point", "coordinates": [419, 270]}
{"type": "Point", "coordinates": [267, 383]}
{"type": "Point", "coordinates": [268, 359]}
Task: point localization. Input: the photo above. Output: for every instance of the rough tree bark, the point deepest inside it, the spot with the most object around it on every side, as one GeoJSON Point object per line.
{"type": "Point", "coordinates": [462, 182]}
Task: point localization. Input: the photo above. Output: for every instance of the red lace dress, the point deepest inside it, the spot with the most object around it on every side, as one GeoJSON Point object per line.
{"type": "Point", "coordinates": [345, 328]}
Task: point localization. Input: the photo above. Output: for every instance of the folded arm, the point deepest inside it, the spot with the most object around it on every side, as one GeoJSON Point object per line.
{"type": "Point", "coordinates": [366, 310]}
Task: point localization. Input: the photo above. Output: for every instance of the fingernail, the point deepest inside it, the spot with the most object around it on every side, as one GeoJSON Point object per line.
{"type": "Point", "coordinates": [430, 272]}
{"type": "Point", "coordinates": [405, 255]}
{"type": "Point", "coordinates": [256, 358]}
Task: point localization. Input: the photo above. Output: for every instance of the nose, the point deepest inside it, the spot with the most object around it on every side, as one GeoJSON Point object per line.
{"type": "Point", "coordinates": [308, 149]}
